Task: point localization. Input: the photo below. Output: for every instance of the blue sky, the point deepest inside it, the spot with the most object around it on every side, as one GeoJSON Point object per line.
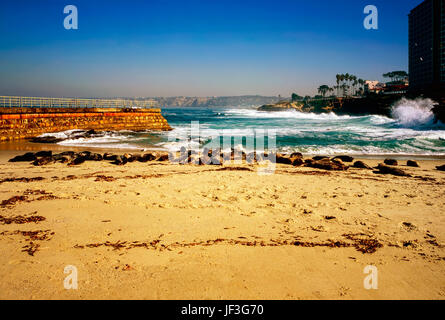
{"type": "Point", "coordinates": [195, 47]}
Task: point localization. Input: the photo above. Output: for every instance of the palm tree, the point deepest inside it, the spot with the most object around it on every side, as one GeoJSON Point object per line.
{"type": "Point", "coordinates": [337, 76]}
{"type": "Point", "coordinates": [323, 89]}
{"type": "Point", "coordinates": [362, 84]}
{"type": "Point", "coordinates": [342, 79]}
{"type": "Point", "coordinates": [354, 84]}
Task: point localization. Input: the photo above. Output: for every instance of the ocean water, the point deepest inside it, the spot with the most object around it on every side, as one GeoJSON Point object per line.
{"type": "Point", "coordinates": [410, 131]}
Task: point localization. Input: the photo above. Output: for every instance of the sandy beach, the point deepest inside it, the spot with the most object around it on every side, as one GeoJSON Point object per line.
{"type": "Point", "coordinates": [157, 230]}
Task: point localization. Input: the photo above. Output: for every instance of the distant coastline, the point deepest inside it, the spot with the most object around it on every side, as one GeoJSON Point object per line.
{"type": "Point", "coordinates": [208, 102]}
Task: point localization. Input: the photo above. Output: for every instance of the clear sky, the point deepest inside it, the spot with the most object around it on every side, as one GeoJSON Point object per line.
{"type": "Point", "coordinates": [195, 47]}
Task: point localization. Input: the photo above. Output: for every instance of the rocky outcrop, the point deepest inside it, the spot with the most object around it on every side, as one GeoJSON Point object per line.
{"type": "Point", "coordinates": [344, 158]}
{"type": "Point", "coordinates": [29, 156]}
{"type": "Point", "coordinates": [412, 163]}
{"type": "Point", "coordinates": [439, 111]}
{"type": "Point", "coordinates": [361, 165]}
{"type": "Point", "coordinates": [283, 106]}
{"type": "Point", "coordinates": [327, 164]}
{"type": "Point", "coordinates": [391, 162]}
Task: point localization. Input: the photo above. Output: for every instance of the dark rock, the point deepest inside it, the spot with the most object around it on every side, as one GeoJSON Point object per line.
{"type": "Point", "coordinates": [95, 157]}
{"type": "Point", "coordinates": [136, 157]}
{"type": "Point", "coordinates": [47, 139]}
{"type": "Point", "coordinates": [44, 154]}
{"type": "Point", "coordinates": [296, 154]}
{"type": "Point", "coordinates": [316, 158]}
{"type": "Point", "coordinates": [391, 162]}
{"type": "Point", "coordinates": [129, 157]}
{"type": "Point", "coordinates": [67, 153]}
{"type": "Point", "coordinates": [120, 160]}
{"type": "Point", "coordinates": [110, 156]}
{"type": "Point", "coordinates": [41, 161]}
{"type": "Point", "coordinates": [361, 165]}
{"type": "Point", "coordinates": [412, 163]}
{"type": "Point", "coordinates": [77, 160]}
{"type": "Point", "coordinates": [62, 158]}
{"type": "Point", "coordinates": [163, 157]}
{"type": "Point", "coordinates": [282, 159]}
{"type": "Point", "coordinates": [90, 156]}
{"type": "Point", "coordinates": [85, 154]}
{"type": "Point", "coordinates": [326, 164]}
{"type": "Point", "coordinates": [29, 156]}
{"type": "Point", "coordinates": [91, 132]}
{"type": "Point", "coordinates": [384, 169]}
{"type": "Point", "coordinates": [147, 157]}
{"type": "Point", "coordinates": [441, 168]}
{"type": "Point", "coordinates": [297, 161]}
{"type": "Point", "coordinates": [344, 158]}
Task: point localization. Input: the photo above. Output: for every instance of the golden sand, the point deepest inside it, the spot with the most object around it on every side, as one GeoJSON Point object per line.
{"type": "Point", "coordinates": [162, 231]}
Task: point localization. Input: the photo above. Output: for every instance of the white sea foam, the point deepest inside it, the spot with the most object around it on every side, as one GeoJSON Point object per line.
{"type": "Point", "coordinates": [252, 113]}
{"type": "Point", "coordinates": [415, 113]}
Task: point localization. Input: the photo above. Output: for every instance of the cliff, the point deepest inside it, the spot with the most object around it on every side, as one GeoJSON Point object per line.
{"type": "Point", "coordinates": [208, 102]}
{"type": "Point", "coordinates": [439, 112]}
{"type": "Point", "coordinates": [25, 123]}
{"type": "Point", "coordinates": [376, 104]}
{"type": "Point", "coordinates": [283, 106]}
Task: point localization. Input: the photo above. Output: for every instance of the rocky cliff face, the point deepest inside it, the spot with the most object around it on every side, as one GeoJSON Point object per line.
{"type": "Point", "coordinates": [379, 104]}
{"type": "Point", "coordinates": [204, 102]}
{"type": "Point", "coordinates": [439, 112]}
{"type": "Point", "coordinates": [284, 106]}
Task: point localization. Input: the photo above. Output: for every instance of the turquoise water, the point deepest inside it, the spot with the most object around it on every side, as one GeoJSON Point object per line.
{"type": "Point", "coordinates": [411, 130]}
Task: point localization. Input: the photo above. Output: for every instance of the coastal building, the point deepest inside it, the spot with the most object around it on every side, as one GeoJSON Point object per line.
{"type": "Point", "coordinates": [374, 86]}
{"type": "Point", "coordinates": [399, 86]}
{"type": "Point", "coordinates": [427, 46]}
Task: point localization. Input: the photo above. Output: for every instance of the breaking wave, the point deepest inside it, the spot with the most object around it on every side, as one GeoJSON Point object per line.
{"type": "Point", "coordinates": [416, 113]}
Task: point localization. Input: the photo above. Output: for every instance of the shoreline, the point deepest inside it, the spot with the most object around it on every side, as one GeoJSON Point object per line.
{"type": "Point", "coordinates": [15, 147]}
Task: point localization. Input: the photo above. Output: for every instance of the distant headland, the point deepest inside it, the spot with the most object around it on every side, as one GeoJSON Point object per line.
{"type": "Point", "coordinates": [360, 97]}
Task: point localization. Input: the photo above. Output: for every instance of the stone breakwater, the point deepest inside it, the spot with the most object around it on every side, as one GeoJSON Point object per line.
{"type": "Point", "coordinates": [26, 123]}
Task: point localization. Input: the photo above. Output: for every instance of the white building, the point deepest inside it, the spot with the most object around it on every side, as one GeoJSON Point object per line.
{"type": "Point", "coordinates": [374, 86]}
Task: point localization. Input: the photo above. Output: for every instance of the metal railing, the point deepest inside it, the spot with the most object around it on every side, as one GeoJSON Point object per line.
{"type": "Point", "coordinates": [40, 102]}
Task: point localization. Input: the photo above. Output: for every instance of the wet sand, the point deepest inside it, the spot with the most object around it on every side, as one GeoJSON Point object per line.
{"type": "Point", "coordinates": [157, 230]}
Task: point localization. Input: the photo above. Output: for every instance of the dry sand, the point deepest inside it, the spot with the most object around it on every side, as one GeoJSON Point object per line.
{"type": "Point", "coordinates": [163, 231]}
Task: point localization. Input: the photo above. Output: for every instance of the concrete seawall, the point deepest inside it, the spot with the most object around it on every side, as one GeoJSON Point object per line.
{"type": "Point", "coordinates": [26, 123]}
